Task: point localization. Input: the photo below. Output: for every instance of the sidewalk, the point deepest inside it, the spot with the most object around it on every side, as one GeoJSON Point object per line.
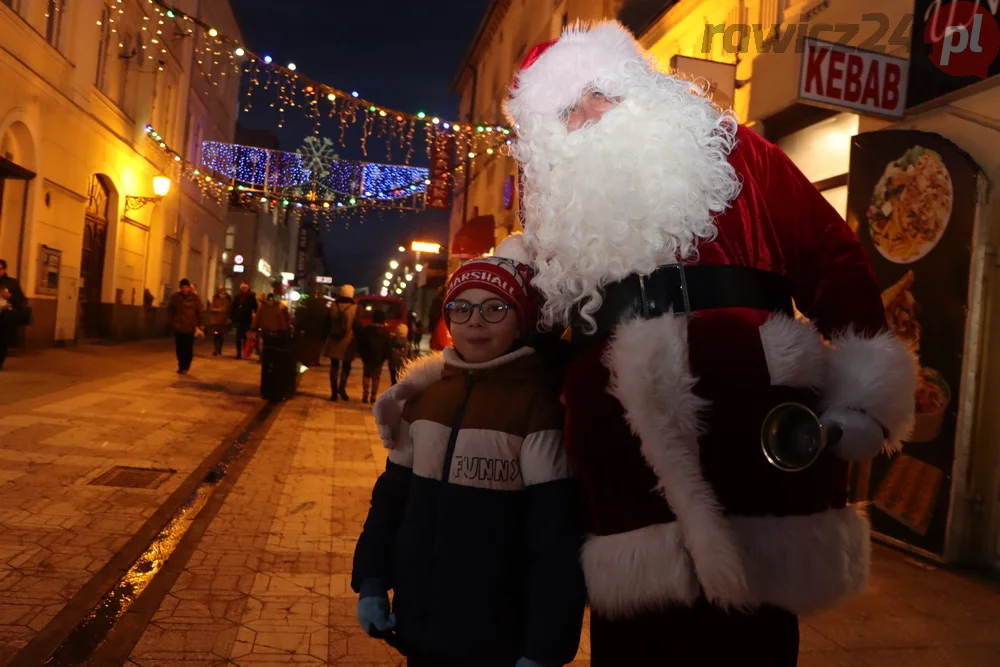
{"type": "Point", "coordinates": [68, 418]}
{"type": "Point", "coordinates": [269, 584]}
{"type": "Point", "coordinates": [266, 579]}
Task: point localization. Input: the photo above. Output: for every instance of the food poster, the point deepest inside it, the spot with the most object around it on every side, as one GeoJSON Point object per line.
{"type": "Point", "coordinates": [912, 201]}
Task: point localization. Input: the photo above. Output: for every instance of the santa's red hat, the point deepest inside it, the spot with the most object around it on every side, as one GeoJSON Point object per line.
{"type": "Point", "coordinates": [554, 74]}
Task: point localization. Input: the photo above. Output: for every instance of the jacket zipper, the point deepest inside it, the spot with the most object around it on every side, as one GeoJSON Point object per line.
{"type": "Point", "coordinates": [456, 426]}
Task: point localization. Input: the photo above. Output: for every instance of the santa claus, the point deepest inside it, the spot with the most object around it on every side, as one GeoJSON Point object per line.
{"type": "Point", "coordinates": [673, 242]}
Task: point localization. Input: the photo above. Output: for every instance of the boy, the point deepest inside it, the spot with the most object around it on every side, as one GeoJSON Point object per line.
{"type": "Point", "coordinates": [474, 525]}
{"type": "Point", "coordinates": [373, 347]}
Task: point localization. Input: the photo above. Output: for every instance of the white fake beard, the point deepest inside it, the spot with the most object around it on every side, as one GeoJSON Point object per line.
{"type": "Point", "coordinates": [634, 191]}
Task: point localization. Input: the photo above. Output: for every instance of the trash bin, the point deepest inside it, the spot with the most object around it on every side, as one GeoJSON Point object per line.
{"type": "Point", "coordinates": [279, 370]}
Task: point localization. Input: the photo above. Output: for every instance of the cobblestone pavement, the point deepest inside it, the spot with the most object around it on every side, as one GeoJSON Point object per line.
{"type": "Point", "coordinates": [57, 529]}
{"type": "Point", "coordinates": [267, 581]}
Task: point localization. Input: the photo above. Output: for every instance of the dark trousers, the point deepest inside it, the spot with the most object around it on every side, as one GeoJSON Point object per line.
{"type": "Point", "coordinates": [698, 635]}
{"type": "Point", "coordinates": [6, 336]}
{"type": "Point", "coordinates": [185, 350]}
{"type": "Point", "coordinates": [241, 339]}
{"type": "Point", "coordinates": [339, 372]}
{"type": "Point", "coordinates": [220, 338]}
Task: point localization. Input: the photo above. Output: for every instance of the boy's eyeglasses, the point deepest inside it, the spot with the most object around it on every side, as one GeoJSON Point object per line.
{"type": "Point", "coordinates": [491, 310]}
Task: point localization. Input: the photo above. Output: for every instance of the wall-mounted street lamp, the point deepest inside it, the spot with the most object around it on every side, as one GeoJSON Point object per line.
{"type": "Point", "coordinates": [161, 186]}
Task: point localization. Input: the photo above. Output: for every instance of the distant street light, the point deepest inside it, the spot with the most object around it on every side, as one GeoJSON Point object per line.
{"type": "Point", "coordinates": [394, 265]}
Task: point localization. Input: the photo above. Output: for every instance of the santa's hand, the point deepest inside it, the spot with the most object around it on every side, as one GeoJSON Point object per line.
{"type": "Point", "coordinates": [388, 408]}
{"type": "Point", "coordinates": [861, 436]}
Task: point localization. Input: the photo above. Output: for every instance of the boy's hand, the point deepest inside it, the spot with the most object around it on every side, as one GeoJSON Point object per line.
{"type": "Point", "coordinates": [528, 662]}
{"type": "Point", "coordinates": [374, 616]}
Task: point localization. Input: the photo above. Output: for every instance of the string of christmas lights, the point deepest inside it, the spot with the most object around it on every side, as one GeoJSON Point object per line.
{"type": "Point", "coordinates": [219, 54]}
{"type": "Point", "coordinates": [386, 187]}
{"type": "Point", "coordinates": [310, 174]}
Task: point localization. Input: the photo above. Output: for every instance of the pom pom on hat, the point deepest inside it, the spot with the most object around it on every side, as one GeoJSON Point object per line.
{"type": "Point", "coordinates": [513, 248]}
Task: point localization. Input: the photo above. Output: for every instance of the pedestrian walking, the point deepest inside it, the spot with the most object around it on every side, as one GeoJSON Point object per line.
{"type": "Point", "coordinates": [222, 306]}
{"type": "Point", "coordinates": [479, 540]}
{"type": "Point", "coordinates": [399, 352]}
{"type": "Point", "coordinates": [373, 348]}
{"type": "Point", "coordinates": [341, 341]}
{"type": "Point", "coordinates": [186, 320]}
{"type": "Point", "coordinates": [12, 303]}
{"type": "Point", "coordinates": [243, 310]}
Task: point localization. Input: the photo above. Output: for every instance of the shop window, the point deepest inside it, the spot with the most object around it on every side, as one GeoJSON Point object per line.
{"type": "Point", "coordinates": [54, 11]}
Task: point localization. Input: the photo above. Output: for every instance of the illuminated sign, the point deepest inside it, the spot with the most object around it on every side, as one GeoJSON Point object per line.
{"type": "Point", "coordinates": [264, 268]}
{"type": "Point", "coordinates": [324, 280]}
{"type": "Point", "coordinates": [238, 259]}
{"type": "Point", "coordinates": [420, 246]}
{"type": "Point", "coordinates": [238, 268]}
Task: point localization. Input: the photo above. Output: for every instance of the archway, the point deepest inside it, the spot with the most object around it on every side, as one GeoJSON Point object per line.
{"type": "Point", "coordinates": [93, 255]}
{"type": "Point", "coordinates": [17, 171]}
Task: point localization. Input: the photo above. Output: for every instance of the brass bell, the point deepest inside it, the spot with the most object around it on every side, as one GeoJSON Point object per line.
{"type": "Point", "coordinates": [793, 437]}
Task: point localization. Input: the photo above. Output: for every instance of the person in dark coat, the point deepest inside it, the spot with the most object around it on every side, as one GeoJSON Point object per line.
{"type": "Point", "coordinates": [373, 348]}
{"type": "Point", "coordinates": [244, 308]}
{"type": "Point", "coordinates": [11, 305]}
{"type": "Point", "coordinates": [186, 320]}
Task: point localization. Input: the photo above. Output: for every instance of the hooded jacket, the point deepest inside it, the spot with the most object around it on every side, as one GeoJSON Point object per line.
{"type": "Point", "coordinates": [474, 524]}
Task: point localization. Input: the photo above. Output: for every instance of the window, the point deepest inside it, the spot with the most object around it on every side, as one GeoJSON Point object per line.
{"type": "Point", "coordinates": [230, 238]}
{"type": "Point", "coordinates": [102, 48]}
{"type": "Point", "coordinates": [54, 10]}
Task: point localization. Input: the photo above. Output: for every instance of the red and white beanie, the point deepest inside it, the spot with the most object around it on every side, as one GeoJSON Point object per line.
{"type": "Point", "coordinates": [505, 274]}
{"type": "Point", "coordinates": [554, 74]}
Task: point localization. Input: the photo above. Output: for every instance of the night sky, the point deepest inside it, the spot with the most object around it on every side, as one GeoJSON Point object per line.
{"type": "Point", "coordinates": [399, 53]}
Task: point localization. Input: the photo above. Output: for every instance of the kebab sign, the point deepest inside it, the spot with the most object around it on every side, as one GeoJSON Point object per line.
{"type": "Point", "coordinates": [846, 77]}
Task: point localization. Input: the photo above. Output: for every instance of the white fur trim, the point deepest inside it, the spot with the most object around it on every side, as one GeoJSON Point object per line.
{"type": "Point", "coordinates": [794, 351]}
{"type": "Point", "coordinates": [452, 359]}
{"type": "Point", "coordinates": [799, 563]}
{"type": "Point", "coordinates": [877, 375]}
{"type": "Point", "coordinates": [862, 437]}
{"type": "Point", "coordinates": [583, 56]}
{"type": "Point", "coordinates": [415, 377]}
{"type": "Point", "coordinates": [651, 377]}
{"type": "Point", "coordinates": [513, 248]}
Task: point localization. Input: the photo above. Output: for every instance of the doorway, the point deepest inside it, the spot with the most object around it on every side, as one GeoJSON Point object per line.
{"type": "Point", "coordinates": [95, 237]}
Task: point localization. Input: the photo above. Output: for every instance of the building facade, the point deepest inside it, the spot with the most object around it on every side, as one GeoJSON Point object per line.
{"type": "Point", "coordinates": [80, 83]}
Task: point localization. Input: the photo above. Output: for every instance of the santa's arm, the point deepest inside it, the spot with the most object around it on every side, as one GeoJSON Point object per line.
{"type": "Point", "coordinates": [415, 377]}
{"type": "Point", "coordinates": [871, 375]}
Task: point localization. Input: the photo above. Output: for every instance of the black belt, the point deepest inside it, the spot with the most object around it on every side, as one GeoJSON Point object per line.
{"type": "Point", "coordinates": [683, 290]}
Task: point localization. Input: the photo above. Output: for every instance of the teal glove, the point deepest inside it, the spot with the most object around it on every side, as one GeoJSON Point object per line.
{"type": "Point", "coordinates": [528, 662]}
{"type": "Point", "coordinates": [373, 610]}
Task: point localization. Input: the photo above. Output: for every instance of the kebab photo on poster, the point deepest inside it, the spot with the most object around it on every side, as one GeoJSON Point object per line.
{"type": "Point", "coordinates": [910, 206]}
{"type": "Point", "coordinates": [933, 393]}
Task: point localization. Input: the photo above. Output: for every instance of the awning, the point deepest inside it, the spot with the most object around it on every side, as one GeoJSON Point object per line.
{"type": "Point", "coordinates": [475, 237]}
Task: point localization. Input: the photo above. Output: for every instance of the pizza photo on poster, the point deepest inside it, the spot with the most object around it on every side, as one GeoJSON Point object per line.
{"type": "Point", "coordinates": [912, 200]}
